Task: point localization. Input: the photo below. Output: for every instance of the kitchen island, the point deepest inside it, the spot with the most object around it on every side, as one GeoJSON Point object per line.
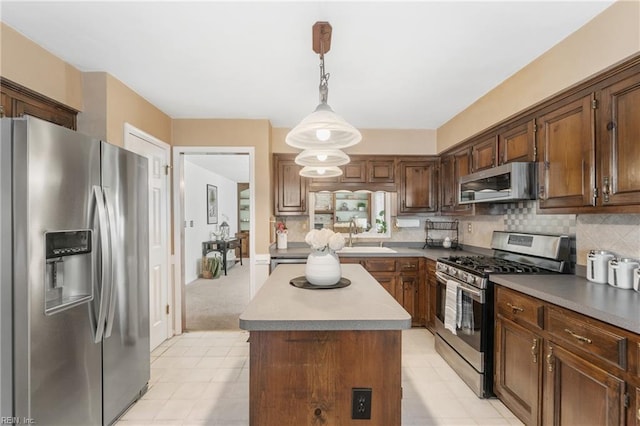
{"type": "Point", "coordinates": [310, 348]}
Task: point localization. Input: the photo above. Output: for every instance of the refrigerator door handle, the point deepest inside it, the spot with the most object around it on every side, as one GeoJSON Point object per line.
{"type": "Point", "coordinates": [105, 251]}
{"type": "Point", "coordinates": [113, 263]}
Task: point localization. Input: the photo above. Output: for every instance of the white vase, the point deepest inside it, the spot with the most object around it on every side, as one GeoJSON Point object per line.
{"type": "Point", "coordinates": [323, 268]}
{"type": "Point", "coordinates": [281, 240]}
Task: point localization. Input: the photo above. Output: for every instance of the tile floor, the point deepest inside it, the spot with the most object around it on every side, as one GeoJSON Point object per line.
{"type": "Point", "coordinates": [202, 378]}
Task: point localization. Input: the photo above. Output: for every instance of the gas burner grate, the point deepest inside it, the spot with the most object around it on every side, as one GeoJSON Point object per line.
{"type": "Point", "coordinates": [485, 264]}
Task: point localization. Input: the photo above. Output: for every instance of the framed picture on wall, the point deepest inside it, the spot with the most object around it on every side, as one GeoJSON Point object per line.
{"type": "Point", "coordinates": [212, 204]}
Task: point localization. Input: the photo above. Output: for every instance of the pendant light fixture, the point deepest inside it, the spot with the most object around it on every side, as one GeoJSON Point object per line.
{"type": "Point", "coordinates": [323, 132]}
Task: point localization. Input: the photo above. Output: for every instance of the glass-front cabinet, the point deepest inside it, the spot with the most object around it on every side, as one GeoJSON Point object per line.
{"type": "Point", "coordinates": [243, 210]}
{"type": "Point", "coordinates": [365, 211]}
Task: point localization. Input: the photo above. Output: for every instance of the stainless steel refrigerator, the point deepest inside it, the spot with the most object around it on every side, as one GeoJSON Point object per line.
{"type": "Point", "coordinates": [74, 295]}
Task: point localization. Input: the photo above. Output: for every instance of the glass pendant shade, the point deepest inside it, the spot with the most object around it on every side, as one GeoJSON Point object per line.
{"type": "Point", "coordinates": [322, 158]}
{"type": "Point", "coordinates": [323, 129]}
{"type": "Point", "coordinates": [320, 172]}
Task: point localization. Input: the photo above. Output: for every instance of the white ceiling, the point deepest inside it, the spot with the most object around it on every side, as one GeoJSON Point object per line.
{"type": "Point", "coordinates": [234, 167]}
{"type": "Point", "coordinates": [394, 64]}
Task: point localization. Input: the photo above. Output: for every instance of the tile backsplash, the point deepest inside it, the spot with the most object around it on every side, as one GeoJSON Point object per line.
{"type": "Point", "coordinates": [618, 233]}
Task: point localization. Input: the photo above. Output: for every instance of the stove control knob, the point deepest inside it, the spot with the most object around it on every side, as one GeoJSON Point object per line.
{"type": "Point", "coordinates": [452, 271]}
{"type": "Point", "coordinates": [471, 279]}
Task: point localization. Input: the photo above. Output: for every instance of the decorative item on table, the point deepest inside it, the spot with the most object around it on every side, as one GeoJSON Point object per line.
{"type": "Point", "coordinates": [361, 206]}
{"type": "Point", "coordinates": [224, 230]}
{"type": "Point", "coordinates": [323, 264]}
{"type": "Point", "coordinates": [211, 266]}
{"type": "Point", "coordinates": [281, 236]}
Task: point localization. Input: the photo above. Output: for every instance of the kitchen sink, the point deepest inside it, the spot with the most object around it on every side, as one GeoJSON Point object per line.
{"type": "Point", "coordinates": [366, 249]}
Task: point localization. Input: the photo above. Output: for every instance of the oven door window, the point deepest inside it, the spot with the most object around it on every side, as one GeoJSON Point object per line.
{"type": "Point", "coordinates": [469, 319]}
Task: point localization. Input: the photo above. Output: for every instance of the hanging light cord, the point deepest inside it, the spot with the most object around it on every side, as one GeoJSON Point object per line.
{"type": "Point", "coordinates": [324, 77]}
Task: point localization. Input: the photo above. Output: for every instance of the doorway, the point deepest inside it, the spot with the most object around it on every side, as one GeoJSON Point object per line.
{"type": "Point", "coordinates": [206, 200]}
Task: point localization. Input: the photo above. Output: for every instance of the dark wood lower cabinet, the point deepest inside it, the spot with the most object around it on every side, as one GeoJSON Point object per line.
{"type": "Point", "coordinates": [306, 377]}
{"type": "Point", "coordinates": [517, 373]}
{"type": "Point", "coordinates": [403, 278]}
{"type": "Point", "coordinates": [545, 378]}
{"type": "Point", "coordinates": [577, 392]}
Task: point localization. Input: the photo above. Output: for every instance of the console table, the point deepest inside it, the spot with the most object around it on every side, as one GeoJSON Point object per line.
{"type": "Point", "coordinates": [222, 246]}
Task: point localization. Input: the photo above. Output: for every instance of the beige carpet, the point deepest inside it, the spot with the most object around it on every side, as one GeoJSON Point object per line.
{"type": "Point", "coordinates": [216, 304]}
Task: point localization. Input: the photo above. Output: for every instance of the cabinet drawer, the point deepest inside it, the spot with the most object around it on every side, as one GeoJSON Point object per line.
{"type": "Point", "coordinates": [519, 308]}
{"type": "Point", "coordinates": [408, 265]}
{"type": "Point", "coordinates": [379, 265]}
{"type": "Point", "coordinates": [591, 336]}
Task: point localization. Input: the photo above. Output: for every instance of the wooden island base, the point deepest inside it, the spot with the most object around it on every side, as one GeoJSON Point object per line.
{"type": "Point", "coordinates": [306, 377]}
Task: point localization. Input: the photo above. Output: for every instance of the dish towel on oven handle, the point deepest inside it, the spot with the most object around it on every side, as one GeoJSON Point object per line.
{"type": "Point", "coordinates": [452, 300]}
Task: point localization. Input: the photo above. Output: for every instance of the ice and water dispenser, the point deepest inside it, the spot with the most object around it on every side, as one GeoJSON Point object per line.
{"type": "Point", "coordinates": [68, 273]}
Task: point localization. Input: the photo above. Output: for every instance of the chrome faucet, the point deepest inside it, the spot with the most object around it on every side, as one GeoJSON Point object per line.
{"type": "Point", "coordinates": [353, 229]}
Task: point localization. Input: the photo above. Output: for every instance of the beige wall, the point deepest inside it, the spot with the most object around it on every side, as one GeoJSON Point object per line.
{"type": "Point", "coordinates": [241, 133]}
{"type": "Point", "coordinates": [126, 106]}
{"type": "Point", "coordinates": [375, 141]}
{"type": "Point", "coordinates": [609, 38]}
{"type": "Point", "coordinates": [24, 62]}
{"type": "Point", "coordinates": [110, 104]}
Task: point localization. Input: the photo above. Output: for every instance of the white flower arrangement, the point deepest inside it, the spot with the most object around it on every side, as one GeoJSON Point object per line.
{"type": "Point", "coordinates": [323, 239]}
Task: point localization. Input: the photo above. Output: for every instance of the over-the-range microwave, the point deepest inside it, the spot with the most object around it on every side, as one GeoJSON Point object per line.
{"type": "Point", "coordinates": [505, 183]}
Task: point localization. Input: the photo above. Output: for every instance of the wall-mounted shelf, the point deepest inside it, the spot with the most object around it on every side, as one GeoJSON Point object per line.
{"type": "Point", "coordinates": [437, 232]}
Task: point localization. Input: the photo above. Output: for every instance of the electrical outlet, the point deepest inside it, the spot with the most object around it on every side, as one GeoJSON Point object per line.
{"type": "Point", "coordinates": [469, 228]}
{"type": "Point", "coordinates": [361, 403]}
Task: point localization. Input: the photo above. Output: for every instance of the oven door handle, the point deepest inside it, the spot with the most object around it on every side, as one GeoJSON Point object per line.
{"type": "Point", "coordinates": [479, 294]}
{"type": "Point", "coordinates": [471, 291]}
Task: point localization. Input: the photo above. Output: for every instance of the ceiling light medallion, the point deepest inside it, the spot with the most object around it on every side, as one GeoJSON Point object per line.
{"type": "Point", "coordinates": [322, 133]}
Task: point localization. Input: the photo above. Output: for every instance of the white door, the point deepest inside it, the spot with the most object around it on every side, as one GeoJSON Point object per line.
{"type": "Point", "coordinates": [157, 152]}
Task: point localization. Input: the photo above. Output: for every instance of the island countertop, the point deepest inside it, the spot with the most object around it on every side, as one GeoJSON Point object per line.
{"type": "Point", "coordinates": [363, 305]}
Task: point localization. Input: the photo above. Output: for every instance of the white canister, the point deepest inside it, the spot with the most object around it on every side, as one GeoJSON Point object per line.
{"type": "Point", "coordinates": [281, 240]}
{"type": "Point", "coordinates": [636, 280]}
{"type": "Point", "coordinates": [621, 272]}
{"type": "Point", "coordinates": [598, 265]}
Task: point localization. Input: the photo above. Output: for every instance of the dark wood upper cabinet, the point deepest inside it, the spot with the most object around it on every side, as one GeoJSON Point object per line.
{"type": "Point", "coordinates": [619, 142]}
{"type": "Point", "coordinates": [290, 188]}
{"type": "Point", "coordinates": [452, 167]}
{"type": "Point", "coordinates": [16, 101]}
{"type": "Point", "coordinates": [484, 153]}
{"type": "Point", "coordinates": [417, 192]}
{"type": "Point", "coordinates": [517, 143]}
{"type": "Point", "coordinates": [381, 170]}
{"type": "Point", "coordinates": [566, 170]}
{"type": "Point", "coordinates": [354, 172]}
{"type": "Point", "coordinates": [447, 184]}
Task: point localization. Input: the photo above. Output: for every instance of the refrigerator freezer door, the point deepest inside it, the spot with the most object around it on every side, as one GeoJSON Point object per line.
{"type": "Point", "coordinates": [126, 358]}
{"type": "Point", "coordinates": [57, 365]}
{"type": "Point", "coordinates": [6, 294]}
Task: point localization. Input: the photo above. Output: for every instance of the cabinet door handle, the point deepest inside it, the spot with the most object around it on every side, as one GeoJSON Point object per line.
{"type": "Point", "coordinates": [534, 351]}
{"type": "Point", "coordinates": [550, 359]}
{"type": "Point", "coordinates": [578, 337]}
{"type": "Point", "coordinates": [515, 308]}
{"type": "Point", "coordinates": [606, 188]}
{"type": "Point", "coordinates": [409, 265]}
{"type": "Point", "coordinates": [302, 204]}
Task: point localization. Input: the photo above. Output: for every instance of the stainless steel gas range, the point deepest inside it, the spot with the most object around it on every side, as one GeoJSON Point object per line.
{"type": "Point", "coordinates": [464, 305]}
